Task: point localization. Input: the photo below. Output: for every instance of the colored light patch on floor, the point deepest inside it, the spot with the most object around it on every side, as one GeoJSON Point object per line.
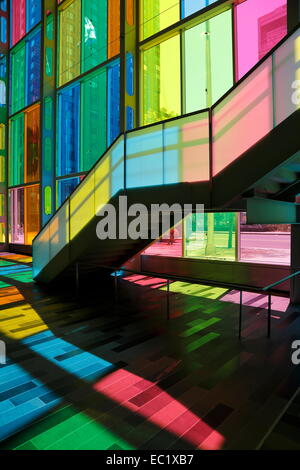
{"type": "Point", "coordinates": [6, 263]}
{"type": "Point", "coordinates": [280, 304]}
{"type": "Point", "coordinates": [25, 277]}
{"type": "Point", "coordinates": [20, 322]}
{"type": "Point", "coordinates": [15, 257]}
{"type": "Point", "coordinates": [196, 290]}
{"type": "Point", "coordinates": [17, 272]}
{"type": "Point", "coordinates": [138, 395]}
{"type": "Point", "coordinates": [4, 284]}
{"type": "Point", "coordinates": [66, 429]}
{"type": "Point", "coordinates": [67, 356]}
{"type": "Point", "coordinates": [201, 325]}
{"type": "Point", "coordinates": [23, 399]}
{"type": "Point", "coordinates": [152, 282]}
{"type": "Point", "coordinates": [9, 295]}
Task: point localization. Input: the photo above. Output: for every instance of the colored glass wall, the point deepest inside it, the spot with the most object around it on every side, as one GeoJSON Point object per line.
{"type": "Point", "coordinates": [157, 15]}
{"type": "Point", "coordinates": [192, 6]}
{"type": "Point", "coordinates": [259, 26]}
{"type": "Point", "coordinates": [24, 167]}
{"type": "Point", "coordinates": [225, 237]}
{"type": "Point", "coordinates": [208, 62]}
{"type": "Point", "coordinates": [161, 81]}
{"type": "Point", "coordinates": [204, 61]}
{"type": "Point", "coordinates": [3, 146]}
{"type": "Point", "coordinates": [24, 214]}
{"type": "Point", "coordinates": [88, 119]}
{"type": "Point", "coordinates": [25, 14]}
{"type": "Point", "coordinates": [89, 34]}
{"type": "Point", "coordinates": [212, 235]}
{"type": "Point", "coordinates": [25, 72]}
{"type": "Point", "coordinates": [24, 151]}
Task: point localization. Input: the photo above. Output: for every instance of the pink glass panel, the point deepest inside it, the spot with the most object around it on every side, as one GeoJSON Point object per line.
{"type": "Point", "coordinates": [170, 244]}
{"type": "Point", "coordinates": [17, 215]}
{"type": "Point", "coordinates": [18, 20]}
{"type": "Point", "coordinates": [243, 117]}
{"type": "Point", "coordinates": [269, 244]}
{"type": "Point", "coordinates": [260, 25]}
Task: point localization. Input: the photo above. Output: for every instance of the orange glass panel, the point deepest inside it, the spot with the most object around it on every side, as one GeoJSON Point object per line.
{"type": "Point", "coordinates": [130, 12]}
{"type": "Point", "coordinates": [32, 145]}
{"type": "Point", "coordinates": [113, 28]}
{"type": "Point", "coordinates": [32, 213]}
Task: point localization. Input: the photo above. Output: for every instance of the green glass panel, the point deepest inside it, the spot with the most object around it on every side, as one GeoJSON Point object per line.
{"type": "Point", "coordinates": [208, 62]}
{"type": "Point", "coordinates": [197, 75]}
{"type": "Point", "coordinates": [48, 154]}
{"type": "Point", "coordinates": [48, 200]}
{"type": "Point", "coordinates": [49, 61]}
{"type": "Point", "coordinates": [93, 119]}
{"type": "Point", "coordinates": [16, 151]}
{"type": "Point", "coordinates": [211, 235]}
{"type": "Point", "coordinates": [49, 27]}
{"type": "Point", "coordinates": [220, 34]}
{"type": "Point", "coordinates": [48, 108]}
{"type": "Point", "coordinates": [18, 79]}
{"type": "Point", "coordinates": [94, 33]}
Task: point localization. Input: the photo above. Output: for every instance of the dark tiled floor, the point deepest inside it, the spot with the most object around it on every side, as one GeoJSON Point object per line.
{"type": "Point", "coordinates": [84, 373]}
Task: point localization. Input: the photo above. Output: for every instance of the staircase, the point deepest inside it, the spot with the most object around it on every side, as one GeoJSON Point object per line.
{"type": "Point", "coordinates": [246, 144]}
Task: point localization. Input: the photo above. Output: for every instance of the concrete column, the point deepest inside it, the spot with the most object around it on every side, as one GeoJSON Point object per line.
{"type": "Point", "coordinates": [293, 13]}
{"type": "Point", "coordinates": [295, 263]}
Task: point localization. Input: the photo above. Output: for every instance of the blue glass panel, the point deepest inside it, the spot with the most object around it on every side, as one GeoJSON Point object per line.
{"type": "Point", "coordinates": [33, 68]}
{"type": "Point", "coordinates": [3, 68]}
{"type": "Point", "coordinates": [3, 30]}
{"type": "Point", "coordinates": [191, 6]}
{"type": "Point", "coordinates": [129, 118]}
{"type": "Point", "coordinates": [3, 5]}
{"type": "Point", "coordinates": [33, 13]}
{"type": "Point", "coordinates": [113, 102]}
{"type": "Point", "coordinates": [68, 131]}
{"type": "Point", "coordinates": [129, 74]}
{"type": "Point", "coordinates": [64, 189]}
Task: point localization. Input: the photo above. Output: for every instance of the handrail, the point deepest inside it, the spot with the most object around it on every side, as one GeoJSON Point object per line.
{"type": "Point", "coordinates": [191, 280]}
{"type": "Point", "coordinates": [239, 287]}
{"type": "Point", "coordinates": [281, 281]}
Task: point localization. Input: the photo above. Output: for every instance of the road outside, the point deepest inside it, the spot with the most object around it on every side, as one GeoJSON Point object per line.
{"type": "Point", "coordinates": [256, 247]}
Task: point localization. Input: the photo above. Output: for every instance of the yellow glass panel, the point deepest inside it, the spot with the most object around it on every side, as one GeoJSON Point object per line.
{"type": "Point", "coordinates": [2, 232]}
{"type": "Point", "coordinates": [102, 189]}
{"type": "Point", "coordinates": [2, 169]}
{"type": "Point", "coordinates": [1, 205]}
{"type": "Point", "coordinates": [2, 136]}
{"type": "Point", "coordinates": [82, 205]}
{"type": "Point", "coordinates": [161, 81]}
{"type": "Point", "coordinates": [157, 15]}
{"type": "Point", "coordinates": [41, 251]}
{"type": "Point", "coordinates": [59, 230]}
